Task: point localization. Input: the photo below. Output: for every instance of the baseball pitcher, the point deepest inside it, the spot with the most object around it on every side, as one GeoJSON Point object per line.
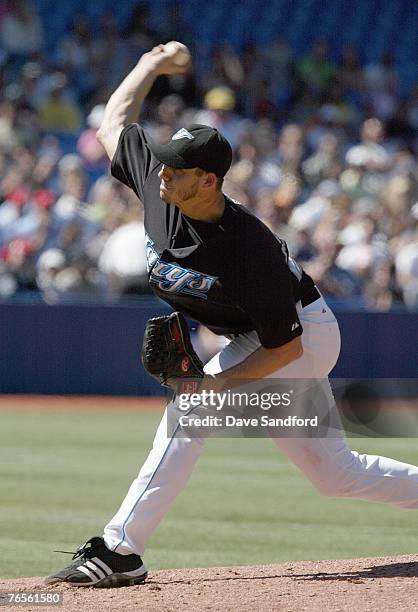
{"type": "Point", "coordinates": [213, 261]}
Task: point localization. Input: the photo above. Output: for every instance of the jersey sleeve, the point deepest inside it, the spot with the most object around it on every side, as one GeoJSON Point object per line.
{"type": "Point", "coordinates": [266, 294]}
{"type": "Point", "coordinates": [133, 161]}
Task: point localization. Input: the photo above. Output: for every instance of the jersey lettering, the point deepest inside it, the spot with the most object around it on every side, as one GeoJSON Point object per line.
{"type": "Point", "coordinates": [175, 279]}
{"type": "Point", "coordinates": [151, 253]}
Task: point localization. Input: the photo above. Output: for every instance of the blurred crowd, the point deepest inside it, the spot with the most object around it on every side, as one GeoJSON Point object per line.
{"type": "Point", "coordinates": [325, 153]}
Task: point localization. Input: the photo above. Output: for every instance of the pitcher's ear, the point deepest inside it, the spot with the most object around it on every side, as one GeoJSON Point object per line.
{"type": "Point", "coordinates": [210, 179]}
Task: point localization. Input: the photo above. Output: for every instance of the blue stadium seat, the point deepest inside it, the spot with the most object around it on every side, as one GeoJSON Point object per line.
{"type": "Point", "coordinates": [372, 26]}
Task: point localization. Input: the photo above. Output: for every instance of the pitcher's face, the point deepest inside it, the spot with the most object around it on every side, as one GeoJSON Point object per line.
{"type": "Point", "coordinates": [178, 186]}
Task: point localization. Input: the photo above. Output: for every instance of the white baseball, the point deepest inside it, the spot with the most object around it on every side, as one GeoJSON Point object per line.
{"type": "Point", "coordinates": [178, 52]}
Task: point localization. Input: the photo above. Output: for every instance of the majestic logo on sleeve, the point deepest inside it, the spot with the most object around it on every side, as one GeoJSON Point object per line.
{"type": "Point", "coordinates": [173, 278]}
{"type": "Point", "coordinates": [183, 133]}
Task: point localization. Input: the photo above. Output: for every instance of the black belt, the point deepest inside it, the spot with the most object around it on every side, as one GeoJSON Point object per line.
{"type": "Point", "coordinates": [312, 295]}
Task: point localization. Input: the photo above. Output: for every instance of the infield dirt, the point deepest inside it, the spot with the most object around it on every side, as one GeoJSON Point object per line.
{"type": "Point", "coordinates": [382, 583]}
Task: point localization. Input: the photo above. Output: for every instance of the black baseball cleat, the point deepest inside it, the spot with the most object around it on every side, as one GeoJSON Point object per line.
{"type": "Point", "coordinates": [97, 566]}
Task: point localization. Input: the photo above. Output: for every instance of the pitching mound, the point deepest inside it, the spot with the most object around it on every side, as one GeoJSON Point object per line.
{"type": "Point", "coordinates": [383, 584]}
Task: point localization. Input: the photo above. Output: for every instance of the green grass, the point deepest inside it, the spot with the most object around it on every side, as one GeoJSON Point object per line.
{"type": "Point", "coordinates": [63, 475]}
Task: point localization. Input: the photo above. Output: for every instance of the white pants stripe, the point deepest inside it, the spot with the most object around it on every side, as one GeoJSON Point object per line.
{"type": "Point", "coordinates": [330, 465]}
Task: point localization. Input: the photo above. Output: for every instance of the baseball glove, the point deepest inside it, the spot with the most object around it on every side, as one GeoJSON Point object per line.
{"type": "Point", "coordinates": [167, 351]}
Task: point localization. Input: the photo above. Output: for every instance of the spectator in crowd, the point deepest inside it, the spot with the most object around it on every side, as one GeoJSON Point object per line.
{"type": "Point", "coordinates": [219, 113]}
{"type": "Point", "coordinates": [406, 267]}
{"type": "Point", "coordinates": [59, 113]}
{"type": "Point", "coordinates": [139, 32]}
{"type": "Point", "coordinates": [8, 118]}
{"type": "Point", "coordinates": [277, 71]}
{"type": "Point", "coordinates": [316, 70]}
{"type": "Point", "coordinates": [382, 81]}
{"type": "Point", "coordinates": [167, 118]}
{"type": "Point", "coordinates": [109, 56]}
{"type": "Point", "coordinates": [350, 76]}
{"type": "Point", "coordinates": [88, 147]}
{"type": "Point", "coordinates": [75, 56]}
{"type": "Point", "coordinates": [21, 33]}
{"type": "Point", "coordinates": [225, 69]}
{"type": "Point", "coordinates": [325, 162]}
{"type": "Point", "coordinates": [123, 259]}
{"type": "Point", "coordinates": [370, 153]}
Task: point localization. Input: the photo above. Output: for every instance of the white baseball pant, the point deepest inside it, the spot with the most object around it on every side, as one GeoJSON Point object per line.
{"type": "Point", "coordinates": [331, 466]}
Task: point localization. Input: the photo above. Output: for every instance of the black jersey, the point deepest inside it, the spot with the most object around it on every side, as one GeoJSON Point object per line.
{"type": "Point", "coordinates": [233, 276]}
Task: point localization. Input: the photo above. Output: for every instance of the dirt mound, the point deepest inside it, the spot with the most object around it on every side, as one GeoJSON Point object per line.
{"type": "Point", "coordinates": [383, 583]}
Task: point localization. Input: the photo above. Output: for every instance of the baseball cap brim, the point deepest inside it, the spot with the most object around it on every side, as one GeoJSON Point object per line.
{"type": "Point", "coordinates": [168, 156]}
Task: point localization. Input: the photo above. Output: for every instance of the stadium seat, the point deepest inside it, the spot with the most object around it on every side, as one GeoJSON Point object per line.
{"type": "Point", "coordinates": [371, 26]}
